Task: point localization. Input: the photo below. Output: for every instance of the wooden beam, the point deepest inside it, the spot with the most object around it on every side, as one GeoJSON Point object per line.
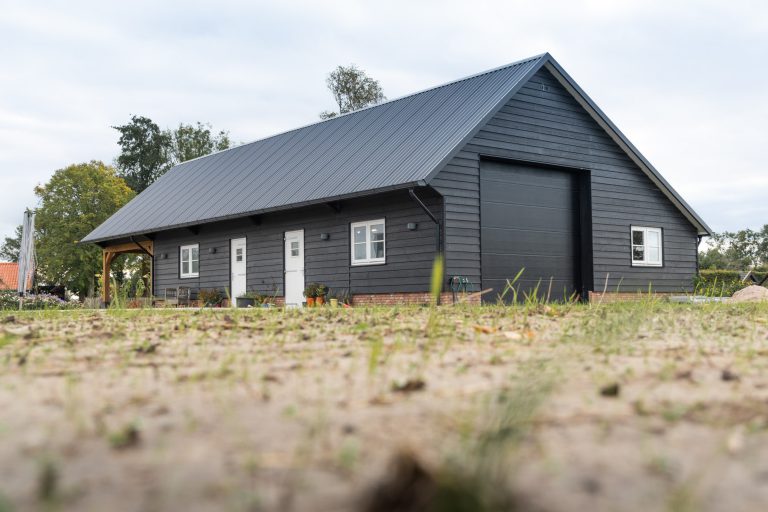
{"type": "Point", "coordinates": [335, 206]}
{"type": "Point", "coordinates": [129, 247]}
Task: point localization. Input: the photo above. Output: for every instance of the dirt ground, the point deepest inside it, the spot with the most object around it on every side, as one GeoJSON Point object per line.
{"type": "Point", "coordinates": [620, 407]}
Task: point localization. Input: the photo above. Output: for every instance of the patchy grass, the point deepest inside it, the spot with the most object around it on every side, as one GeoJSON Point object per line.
{"type": "Point", "coordinates": [644, 406]}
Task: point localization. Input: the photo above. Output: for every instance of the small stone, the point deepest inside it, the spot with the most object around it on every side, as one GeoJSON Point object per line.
{"type": "Point", "coordinates": [611, 390]}
{"type": "Point", "coordinates": [409, 386]}
{"type": "Point", "coordinates": [728, 375]}
{"type": "Point", "coordinates": [591, 485]}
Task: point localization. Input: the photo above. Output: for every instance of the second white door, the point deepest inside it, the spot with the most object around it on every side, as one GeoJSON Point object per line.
{"type": "Point", "coordinates": [237, 255]}
{"type": "Point", "coordinates": [294, 267]}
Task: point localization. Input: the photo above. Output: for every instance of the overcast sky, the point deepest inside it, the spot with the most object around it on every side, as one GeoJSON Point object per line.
{"type": "Point", "coordinates": [686, 81]}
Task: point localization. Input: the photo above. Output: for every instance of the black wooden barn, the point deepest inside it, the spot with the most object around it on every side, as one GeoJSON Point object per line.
{"type": "Point", "coordinates": [513, 168]}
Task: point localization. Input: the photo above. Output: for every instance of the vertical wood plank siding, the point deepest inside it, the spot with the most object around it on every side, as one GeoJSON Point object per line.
{"type": "Point", "coordinates": [544, 123]}
{"type": "Point", "coordinates": [409, 254]}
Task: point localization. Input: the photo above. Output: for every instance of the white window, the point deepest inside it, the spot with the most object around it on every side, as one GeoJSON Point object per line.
{"type": "Point", "coordinates": [646, 247]}
{"type": "Point", "coordinates": [368, 242]}
{"type": "Point", "coordinates": [190, 260]}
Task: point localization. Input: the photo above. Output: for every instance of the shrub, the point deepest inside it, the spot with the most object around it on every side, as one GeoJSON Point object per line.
{"type": "Point", "coordinates": [9, 300]}
{"type": "Point", "coordinates": [721, 283]}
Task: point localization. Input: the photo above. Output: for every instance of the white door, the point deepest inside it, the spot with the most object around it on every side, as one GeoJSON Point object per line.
{"type": "Point", "coordinates": [294, 267]}
{"type": "Point", "coordinates": [237, 264]}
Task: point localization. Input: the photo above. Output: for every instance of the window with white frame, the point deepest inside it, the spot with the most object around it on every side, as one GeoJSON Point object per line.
{"type": "Point", "coordinates": [189, 260]}
{"type": "Point", "coordinates": [646, 247]}
{"type": "Point", "coordinates": [368, 242]}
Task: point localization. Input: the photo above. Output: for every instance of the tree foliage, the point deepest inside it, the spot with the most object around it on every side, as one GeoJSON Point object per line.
{"type": "Point", "coordinates": [9, 250]}
{"type": "Point", "coordinates": [740, 250]}
{"type": "Point", "coordinates": [143, 152]}
{"type": "Point", "coordinates": [147, 152]}
{"type": "Point", "coordinates": [74, 202]}
{"type": "Point", "coordinates": [188, 141]}
{"type": "Point", "coordinates": [352, 89]}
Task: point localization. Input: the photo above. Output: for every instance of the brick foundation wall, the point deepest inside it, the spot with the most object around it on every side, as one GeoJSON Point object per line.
{"type": "Point", "coordinates": [401, 299]}
{"type": "Point", "coordinates": [626, 296]}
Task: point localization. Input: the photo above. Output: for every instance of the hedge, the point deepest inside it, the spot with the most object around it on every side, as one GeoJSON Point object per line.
{"type": "Point", "coordinates": [721, 283]}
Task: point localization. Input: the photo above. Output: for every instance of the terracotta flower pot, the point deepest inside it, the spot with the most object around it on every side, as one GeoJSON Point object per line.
{"type": "Point", "coordinates": [319, 301]}
{"type": "Point", "coordinates": [310, 302]}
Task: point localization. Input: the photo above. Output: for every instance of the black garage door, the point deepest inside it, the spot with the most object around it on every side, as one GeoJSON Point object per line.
{"type": "Point", "coordinates": [528, 218]}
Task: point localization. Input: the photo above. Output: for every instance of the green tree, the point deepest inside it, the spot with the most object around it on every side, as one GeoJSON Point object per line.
{"type": "Point", "coordinates": [9, 250]}
{"type": "Point", "coordinates": [187, 142]}
{"type": "Point", "coordinates": [352, 89]}
{"type": "Point", "coordinates": [75, 201]}
{"type": "Point", "coordinates": [736, 250]}
{"type": "Point", "coordinates": [144, 152]}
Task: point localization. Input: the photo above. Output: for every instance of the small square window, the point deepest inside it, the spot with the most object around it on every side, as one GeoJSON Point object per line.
{"type": "Point", "coordinates": [239, 254]}
{"type": "Point", "coordinates": [646, 246]}
{"type": "Point", "coordinates": [369, 242]}
{"type": "Point", "coordinates": [294, 248]}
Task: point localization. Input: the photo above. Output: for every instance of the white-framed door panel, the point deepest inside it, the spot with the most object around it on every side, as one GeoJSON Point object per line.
{"type": "Point", "coordinates": [294, 268]}
{"type": "Point", "coordinates": [237, 265]}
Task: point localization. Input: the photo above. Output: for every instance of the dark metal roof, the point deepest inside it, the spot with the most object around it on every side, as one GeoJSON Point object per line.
{"type": "Point", "coordinates": [390, 145]}
{"type": "Point", "coordinates": [396, 144]}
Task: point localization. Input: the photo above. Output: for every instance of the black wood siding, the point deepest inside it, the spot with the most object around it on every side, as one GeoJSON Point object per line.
{"type": "Point", "coordinates": [410, 254]}
{"type": "Point", "coordinates": [543, 123]}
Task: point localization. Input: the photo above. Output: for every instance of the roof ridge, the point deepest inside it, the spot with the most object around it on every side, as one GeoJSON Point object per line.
{"type": "Point", "coordinates": [393, 100]}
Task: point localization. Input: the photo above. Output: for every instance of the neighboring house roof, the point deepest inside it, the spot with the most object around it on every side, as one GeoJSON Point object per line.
{"type": "Point", "coordinates": [9, 276]}
{"type": "Point", "coordinates": [397, 144]}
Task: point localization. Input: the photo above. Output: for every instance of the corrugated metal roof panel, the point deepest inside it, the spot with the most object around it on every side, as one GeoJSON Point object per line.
{"type": "Point", "coordinates": [388, 145]}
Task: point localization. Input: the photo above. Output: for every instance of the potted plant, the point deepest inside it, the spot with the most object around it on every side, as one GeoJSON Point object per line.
{"type": "Point", "coordinates": [310, 292]}
{"type": "Point", "coordinates": [333, 298]}
{"type": "Point", "coordinates": [320, 291]}
{"type": "Point", "coordinates": [249, 300]}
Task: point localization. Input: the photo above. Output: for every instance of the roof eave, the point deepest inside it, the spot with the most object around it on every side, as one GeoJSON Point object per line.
{"type": "Point", "coordinates": [313, 202]}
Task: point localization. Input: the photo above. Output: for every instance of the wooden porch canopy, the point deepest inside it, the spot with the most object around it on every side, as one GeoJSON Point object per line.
{"type": "Point", "coordinates": [109, 253]}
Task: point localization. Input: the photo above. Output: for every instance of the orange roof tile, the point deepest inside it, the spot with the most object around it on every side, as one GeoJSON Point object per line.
{"type": "Point", "coordinates": [9, 276]}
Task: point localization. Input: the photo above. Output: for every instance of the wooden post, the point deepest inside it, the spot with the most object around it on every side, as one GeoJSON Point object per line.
{"type": "Point", "coordinates": [107, 257]}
